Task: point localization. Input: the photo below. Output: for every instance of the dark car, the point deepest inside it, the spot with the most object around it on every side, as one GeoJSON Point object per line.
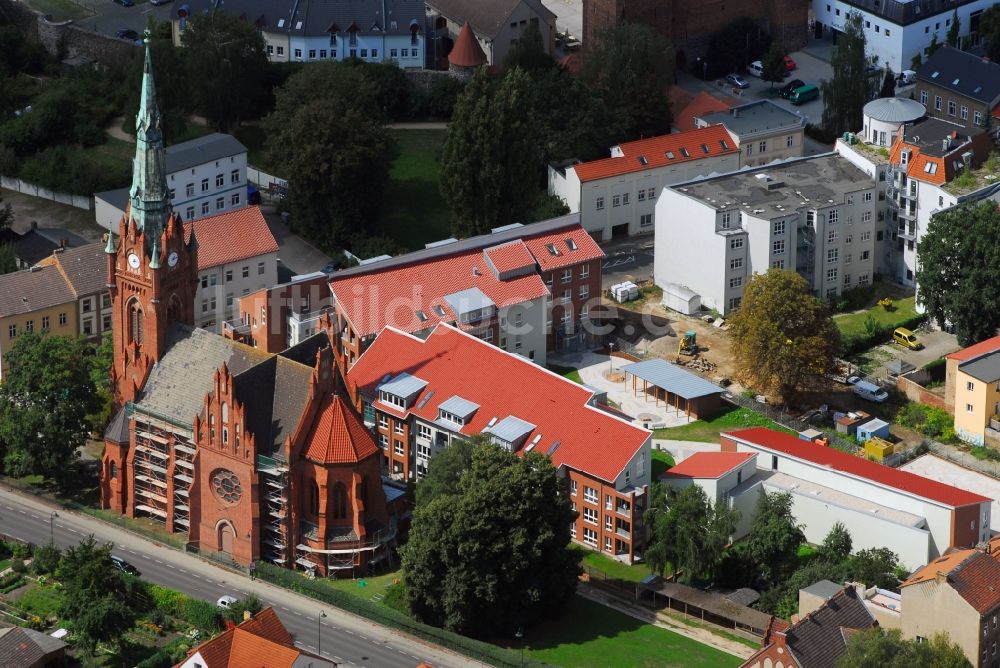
{"type": "Point", "coordinates": [159, 2]}
{"type": "Point", "coordinates": [786, 90]}
{"type": "Point", "coordinates": [124, 566]}
{"type": "Point", "coordinates": [125, 3]}
{"type": "Point", "coordinates": [127, 33]}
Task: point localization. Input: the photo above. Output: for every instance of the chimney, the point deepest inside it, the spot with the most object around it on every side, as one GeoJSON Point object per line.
{"type": "Point", "coordinates": [34, 224]}
{"type": "Point", "coordinates": [247, 615]}
{"type": "Point", "coordinates": [940, 577]}
{"type": "Point", "coordinates": [945, 144]}
{"type": "Point", "coordinates": [63, 243]}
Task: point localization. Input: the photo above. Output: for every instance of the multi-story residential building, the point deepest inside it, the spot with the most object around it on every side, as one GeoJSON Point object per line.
{"type": "Point", "coordinates": [85, 269]}
{"type": "Point", "coordinates": [420, 394]}
{"type": "Point", "coordinates": [307, 30]}
{"type": "Point", "coordinates": [959, 87]}
{"type": "Point", "coordinates": [35, 300]}
{"type": "Point", "coordinates": [815, 215]}
{"type": "Point", "coordinates": [918, 518]}
{"type": "Point", "coordinates": [525, 288]}
{"type": "Point", "coordinates": [957, 594]}
{"type": "Point", "coordinates": [616, 196]}
{"type": "Point", "coordinates": [206, 176]}
{"type": "Point", "coordinates": [279, 317]}
{"type": "Point", "coordinates": [898, 31]}
{"type": "Point", "coordinates": [497, 25]}
{"type": "Point", "coordinates": [972, 389]}
{"type": "Point", "coordinates": [763, 130]}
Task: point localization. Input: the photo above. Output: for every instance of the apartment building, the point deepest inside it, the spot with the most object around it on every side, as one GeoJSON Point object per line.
{"type": "Point", "coordinates": [237, 255]}
{"type": "Point", "coordinates": [763, 131]}
{"type": "Point", "coordinates": [524, 288]}
{"type": "Point", "coordinates": [206, 176]}
{"type": "Point", "coordinates": [957, 594]}
{"type": "Point", "coordinates": [420, 394]}
{"type": "Point", "coordinates": [962, 88]}
{"type": "Point", "coordinates": [85, 270]}
{"type": "Point", "coordinates": [497, 25]}
{"type": "Point", "coordinates": [972, 388]}
{"type": "Point", "coordinates": [815, 215]}
{"type": "Point", "coordinates": [616, 196]}
{"type": "Point", "coordinates": [897, 31]}
{"type": "Point", "coordinates": [35, 300]}
{"type": "Point", "coordinates": [308, 30]}
{"type": "Point", "coordinates": [281, 316]}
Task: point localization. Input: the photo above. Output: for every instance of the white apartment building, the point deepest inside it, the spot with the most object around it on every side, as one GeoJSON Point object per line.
{"type": "Point", "coordinates": [206, 176]}
{"type": "Point", "coordinates": [814, 215]}
{"type": "Point", "coordinates": [616, 196]}
{"type": "Point", "coordinates": [763, 131]}
{"type": "Point", "coordinates": [898, 30]}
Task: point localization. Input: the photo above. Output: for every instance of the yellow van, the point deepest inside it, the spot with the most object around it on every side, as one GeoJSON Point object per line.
{"type": "Point", "coordinates": [906, 338]}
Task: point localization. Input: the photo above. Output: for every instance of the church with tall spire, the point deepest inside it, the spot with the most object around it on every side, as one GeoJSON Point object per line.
{"type": "Point", "coordinates": [245, 453]}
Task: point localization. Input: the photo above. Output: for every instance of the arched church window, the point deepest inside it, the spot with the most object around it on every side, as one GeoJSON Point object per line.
{"type": "Point", "coordinates": [339, 501]}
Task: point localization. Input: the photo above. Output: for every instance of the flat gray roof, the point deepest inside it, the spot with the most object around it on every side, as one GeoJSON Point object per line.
{"type": "Point", "coordinates": [511, 429]}
{"type": "Point", "coordinates": [470, 299]}
{"type": "Point", "coordinates": [672, 378]}
{"type": "Point", "coordinates": [985, 368]}
{"type": "Point", "coordinates": [456, 405]}
{"type": "Point", "coordinates": [814, 182]}
{"type": "Point", "coordinates": [404, 385]}
{"type": "Point", "coordinates": [824, 589]}
{"type": "Point", "coordinates": [198, 151]}
{"type": "Point", "coordinates": [760, 117]}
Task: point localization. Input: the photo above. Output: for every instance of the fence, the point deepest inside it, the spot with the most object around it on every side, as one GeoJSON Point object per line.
{"type": "Point", "coordinates": [962, 458]}
{"type": "Point", "coordinates": [17, 185]}
{"type": "Point", "coordinates": [789, 421]}
{"type": "Point", "coordinates": [271, 187]}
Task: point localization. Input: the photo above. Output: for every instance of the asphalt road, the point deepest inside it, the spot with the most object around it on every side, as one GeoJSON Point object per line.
{"type": "Point", "coordinates": [346, 639]}
{"type": "Point", "coordinates": [627, 260]}
{"type": "Point", "coordinates": [109, 17]}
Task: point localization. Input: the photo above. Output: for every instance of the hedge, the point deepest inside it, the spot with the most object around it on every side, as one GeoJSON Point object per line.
{"type": "Point", "coordinates": [856, 344]}
{"type": "Point", "coordinates": [381, 614]}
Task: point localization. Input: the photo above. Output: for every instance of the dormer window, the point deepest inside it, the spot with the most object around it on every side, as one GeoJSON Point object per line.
{"type": "Point", "coordinates": [450, 417]}
{"type": "Point", "coordinates": [571, 244]}
{"type": "Point", "coordinates": [439, 310]}
{"type": "Point", "coordinates": [552, 249]}
{"type": "Point", "coordinates": [421, 316]}
{"type": "Point", "coordinates": [392, 399]}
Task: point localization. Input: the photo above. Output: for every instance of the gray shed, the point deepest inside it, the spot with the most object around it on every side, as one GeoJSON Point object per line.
{"type": "Point", "coordinates": [681, 299]}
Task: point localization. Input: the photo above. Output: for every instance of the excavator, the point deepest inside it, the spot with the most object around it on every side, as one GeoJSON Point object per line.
{"type": "Point", "coordinates": [688, 345]}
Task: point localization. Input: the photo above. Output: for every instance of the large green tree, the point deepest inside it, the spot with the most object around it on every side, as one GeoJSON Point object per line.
{"type": "Point", "coordinates": [687, 531]}
{"type": "Point", "coordinates": [783, 336]}
{"type": "Point", "coordinates": [837, 545]}
{"type": "Point", "coordinates": [887, 649]}
{"type": "Point", "coordinates": [491, 162]}
{"type": "Point", "coordinates": [954, 30]}
{"type": "Point", "coordinates": [774, 64]}
{"type": "Point", "coordinates": [46, 395]}
{"type": "Point", "coordinates": [958, 269]}
{"type": "Point", "coordinates": [493, 556]}
{"type": "Point", "coordinates": [631, 67]}
{"type": "Point", "coordinates": [851, 86]}
{"type": "Point", "coordinates": [226, 61]}
{"type": "Point", "coordinates": [326, 134]}
{"type": "Point", "coordinates": [447, 468]}
{"type": "Point", "coordinates": [989, 32]}
{"type": "Point", "coordinates": [775, 536]}
{"type": "Point", "coordinates": [101, 602]}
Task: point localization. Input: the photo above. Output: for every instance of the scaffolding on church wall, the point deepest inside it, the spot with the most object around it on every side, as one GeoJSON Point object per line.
{"type": "Point", "coordinates": [274, 483]}
{"type": "Point", "coordinates": [162, 468]}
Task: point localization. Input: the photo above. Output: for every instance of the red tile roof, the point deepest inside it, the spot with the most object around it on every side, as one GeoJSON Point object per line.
{"type": "Point", "coordinates": [701, 104]}
{"type": "Point", "coordinates": [977, 580]}
{"type": "Point", "coordinates": [230, 237]}
{"type": "Point", "coordinates": [708, 465]}
{"type": "Point", "coordinates": [975, 350]}
{"type": "Point", "coordinates": [654, 150]}
{"type": "Point", "coordinates": [260, 641]}
{"type": "Point", "coordinates": [456, 364]}
{"type": "Point", "coordinates": [943, 564]}
{"type": "Point", "coordinates": [857, 466]}
{"type": "Point", "coordinates": [586, 248]}
{"type": "Point", "coordinates": [337, 435]}
{"type": "Point", "coordinates": [466, 52]}
{"type": "Point", "coordinates": [510, 256]}
{"type": "Point", "coordinates": [917, 164]}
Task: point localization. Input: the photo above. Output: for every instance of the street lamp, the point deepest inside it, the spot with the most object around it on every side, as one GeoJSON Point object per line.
{"type": "Point", "coordinates": [319, 632]}
{"type": "Point", "coordinates": [52, 531]}
{"type": "Point", "coordinates": [520, 638]}
{"type": "Point", "coordinates": [611, 359]}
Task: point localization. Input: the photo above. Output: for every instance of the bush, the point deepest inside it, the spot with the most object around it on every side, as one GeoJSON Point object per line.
{"type": "Point", "coordinates": [17, 565]}
{"type": "Point", "coordinates": [21, 550]}
{"type": "Point", "coordinates": [820, 134]}
{"type": "Point", "coordinates": [46, 559]}
{"type": "Point", "coordinates": [984, 453]}
{"type": "Point", "coordinates": [202, 615]}
{"type": "Point", "coordinates": [855, 298]}
{"type": "Point", "coordinates": [912, 415]}
{"type": "Point", "coordinates": [166, 656]}
{"type": "Point", "coordinates": [169, 601]}
{"type": "Point", "coordinates": [934, 423]}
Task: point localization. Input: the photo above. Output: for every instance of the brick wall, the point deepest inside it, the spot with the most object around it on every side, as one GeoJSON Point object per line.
{"type": "Point", "coordinates": [920, 394]}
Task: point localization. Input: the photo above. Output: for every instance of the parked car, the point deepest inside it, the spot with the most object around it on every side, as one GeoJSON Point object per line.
{"type": "Point", "coordinates": [226, 601]}
{"type": "Point", "coordinates": [124, 566]}
{"type": "Point", "coordinates": [906, 338]}
{"type": "Point", "coordinates": [127, 33]}
{"type": "Point", "coordinates": [125, 3]}
{"type": "Point", "coordinates": [159, 2]}
{"type": "Point", "coordinates": [869, 391]}
{"type": "Point", "coordinates": [787, 90]}
{"type": "Point", "coordinates": [804, 94]}
{"type": "Point", "coordinates": [906, 77]}
{"type": "Point", "coordinates": [756, 68]}
{"type": "Point", "coordinates": [736, 80]}
{"type": "Point", "coordinates": [790, 64]}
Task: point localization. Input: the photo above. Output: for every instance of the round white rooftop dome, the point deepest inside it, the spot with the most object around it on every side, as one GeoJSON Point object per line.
{"type": "Point", "coordinates": [894, 110]}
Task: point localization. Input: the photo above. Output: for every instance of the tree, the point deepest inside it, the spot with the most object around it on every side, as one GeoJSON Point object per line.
{"type": "Point", "coordinates": [851, 86]}
{"type": "Point", "coordinates": [226, 58]}
{"type": "Point", "coordinates": [528, 52]}
{"type": "Point", "coordinates": [491, 162]}
{"type": "Point", "coordinates": [888, 649]}
{"type": "Point", "coordinates": [447, 468]}
{"type": "Point", "coordinates": [874, 566]}
{"type": "Point", "coordinates": [46, 395]}
{"type": "Point", "coordinates": [735, 46]}
{"type": "Point", "coordinates": [837, 544]}
{"type": "Point", "coordinates": [775, 536]}
{"type": "Point", "coordinates": [45, 559]}
{"type": "Point", "coordinates": [6, 214]}
{"type": "Point", "coordinates": [783, 336]}
{"type": "Point", "coordinates": [957, 266]}
{"type": "Point", "coordinates": [8, 258]}
{"type": "Point", "coordinates": [888, 84]}
{"type": "Point", "coordinates": [494, 555]}
{"type": "Point", "coordinates": [101, 602]}
{"type": "Point", "coordinates": [774, 65]}
{"type": "Point", "coordinates": [954, 30]}
{"type": "Point", "coordinates": [631, 67]}
{"type": "Point", "coordinates": [249, 604]}
{"type": "Point", "coordinates": [989, 32]}
{"type": "Point", "coordinates": [687, 531]}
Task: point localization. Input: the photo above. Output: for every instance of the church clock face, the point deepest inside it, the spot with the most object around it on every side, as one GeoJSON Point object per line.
{"type": "Point", "coordinates": [172, 259]}
{"type": "Point", "coordinates": [133, 260]}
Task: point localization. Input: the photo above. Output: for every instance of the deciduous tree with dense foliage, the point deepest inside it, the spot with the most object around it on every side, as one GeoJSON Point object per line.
{"type": "Point", "coordinates": [959, 269]}
{"type": "Point", "coordinates": [851, 87]}
{"type": "Point", "coordinates": [492, 555]}
{"type": "Point", "coordinates": [775, 536]}
{"type": "Point", "coordinates": [774, 64]}
{"type": "Point", "coordinates": [989, 32]}
{"type": "Point", "coordinates": [784, 339]}
{"type": "Point", "coordinates": [687, 531]}
{"type": "Point", "coordinates": [886, 648]}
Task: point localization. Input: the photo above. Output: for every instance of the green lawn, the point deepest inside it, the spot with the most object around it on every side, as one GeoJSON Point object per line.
{"type": "Point", "coordinates": [4, 564]}
{"type": "Point", "coordinates": [364, 587]}
{"type": "Point", "coordinates": [415, 213]}
{"type": "Point", "coordinates": [612, 567]}
{"type": "Point", "coordinates": [114, 154]}
{"type": "Point", "coordinates": [662, 460]}
{"type": "Point", "coordinates": [591, 634]}
{"type": "Point", "coordinates": [853, 324]}
{"type": "Point", "coordinates": [707, 431]}
{"type": "Point", "coordinates": [566, 372]}
{"type": "Point", "coordinates": [39, 600]}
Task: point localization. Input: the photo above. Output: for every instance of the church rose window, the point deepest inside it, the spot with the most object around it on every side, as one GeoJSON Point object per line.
{"type": "Point", "coordinates": [226, 486]}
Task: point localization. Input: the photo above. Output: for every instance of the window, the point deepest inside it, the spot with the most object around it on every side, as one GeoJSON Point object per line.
{"type": "Point", "coordinates": [590, 515]}
{"type": "Point", "coordinates": [62, 318]}
{"type": "Point", "coordinates": [734, 302]}
{"type": "Point", "coordinates": [789, 141]}
{"type": "Point", "coordinates": [642, 195]}
{"type": "Point", "coordinates": [45, 322]}
{"type": "Point", "coordinates": [229, 275]}
{"type": "Point", "coordinates": [762, 147]}
{"type": "Point", "coordinates": [736, 263]}
{"type": "Point", "coordinates": [312, 54]}
{"type": "Point", "coordinates": [624, 199]}
{"type": "Point", "coordinates": [726, 217]}
{"type": "Point", "coordinates": [847, 280]}
{"type": "Point", "coordinates": [246, 272]}
{"type": "Point", "coordinates": [584, 291]}
{"type": "Point", "coordinates": [831, 236]}
{"type": "Point", "coordinates": [220, 180]}
{"type": "Point", "coordinates": [209, 280]}
{"type": "Point", "coordinates": [867, 197]}
{"type": "Point", "coordinates": [281, 50]}
{"type": "Point", "coordinates": [937, 102]}
{"type": "Point", "coordinates": [963, 113]}
{"type": "Point", "coordinates": [749, 149]}
{"type": "Point", "coordinates": [952, 108]}
{"type": "Point", "coordinates": [205, 207]}
{"type": "Point", "coordinates": [235, 199]}
{"type": "Point", "coordinates": [847, 259]}
{"type": "Point", "coordinates": [646, 220]}
{"type": "Point", "coordinates": [189, 190]}
{"type": "Point", "coordinates": [572, 487]}
{"type": "Point", "coordinates": [887, 33]}
{"type": "Point", "coordinates": [397, 447]}
{"type": "Point", "coordinates": [589, 536]}
{"type": "Point", "coordinates": [599, 204]}
{"type": "Point", "coordinates": [220, 203]}
{"type": "Point", "coordinates": [834, 215]}
{"type": "Point", "coordinates": [970, 386]}
{"type": "Point", "coordinates": [832, 255]}
{"type": "Point", "coordinates": [616, 200]}
{"type": "Point", "coordinates": [866, 236]}
{"type": "Point", "coordinates": [977, 117]}
{"type": "Point", "coordinates": [736, 242]}
{"type": "Point", "coordinates": [778, 247]}
{"type": "Point", "coordinates": [270, 49]}
{"type": "Point", "coordinates": [398, 427]}
{"type": "Point", "coordinates": [392, 53]}
{"type": "Point", "coordinates": [736, 282]}
{"type": "Point", "coordinates": [866, 217]}
{"type": "Point", "coordinates": [567, 275]}
{"type": "Point", "coordinates": [778, 264]}
{"type": "Point", "coordinates": [651, 193]}
{"type": "Point", "coordinates": [590, 495]}
{"type": "Point", "coordinates": [923, 97]}
{"type": "Point", "coordinates": [779, 227]}
{"type": "Point", "coordinates": [260, 268]}
{"type": "Point", "coordinates": [322, 54]}
{"type": "Point", "coordinates": [423, 431]}
{"type": "Point", "coordinates": [204, 185]}
{"type": "Point", "coordinates": [12, 331]}
{"type": "Point", "coordinates": [234, 176]}
{"type": "Point", "coordinates": [831, 275]}
{"type": "Point", "coordinates": [298, 53]}
{"type": "Point", "coordinates": [567, 295]}
{"type": "Point", "coordinates": [88, 326]}
{"type": "Point", "coordinates": [189, 213]}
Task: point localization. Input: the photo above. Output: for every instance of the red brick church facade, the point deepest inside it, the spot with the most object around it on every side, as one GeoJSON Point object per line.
{"type": "Point", "coordinates": [251, 454]}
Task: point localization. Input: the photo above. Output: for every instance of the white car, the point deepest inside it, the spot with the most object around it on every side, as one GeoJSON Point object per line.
{"type": "Point", "coordinates": [756, 68]}
{"type": "Point", "coordinates": [226, 601]}
{"type": "Point", "coordinates": [870, 391]}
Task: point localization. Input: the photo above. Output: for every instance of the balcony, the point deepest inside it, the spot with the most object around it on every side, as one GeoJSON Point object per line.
{"type": "Point", "coordinates": [908, 232]}
{"type": "Point", "coordinates": [236, 328]}
{"type": "Point", "coordinates": [624, 510]}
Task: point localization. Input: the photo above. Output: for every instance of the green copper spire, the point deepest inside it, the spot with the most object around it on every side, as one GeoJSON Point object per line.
{"type": "Point", "coordinates": [150, 197]}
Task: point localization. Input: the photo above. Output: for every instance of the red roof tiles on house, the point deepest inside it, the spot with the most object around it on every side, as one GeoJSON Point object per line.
{"type": "Point", "coordinates": [708, 465]}
{"type": "Point", "coordinates": [337, 435]}
{"type": "Point", "coordinates": [562, 252]}
{"type": "Point", "coordinates": [466, 52]}
{"type": "Point", "coordinates": [858, 466]}
{"type": "Point", "coordinates": [260, 641]}
{"type": "Point", "coordinates": [510, 256]}
{"type": "Point", "coordinates": [977, 580]}
{"type": "Point", "coordinates": [453, 363]}
{"type": "Point", "coordinates": [231, 237]}
{"type": "Point", "coordinates": [975, 350]}
{"type": "Point", "coordinates": [638, 156]}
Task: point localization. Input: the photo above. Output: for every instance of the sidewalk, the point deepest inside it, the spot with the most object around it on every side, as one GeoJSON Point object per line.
{"type": "Point", "coordinates": [702, 635]}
